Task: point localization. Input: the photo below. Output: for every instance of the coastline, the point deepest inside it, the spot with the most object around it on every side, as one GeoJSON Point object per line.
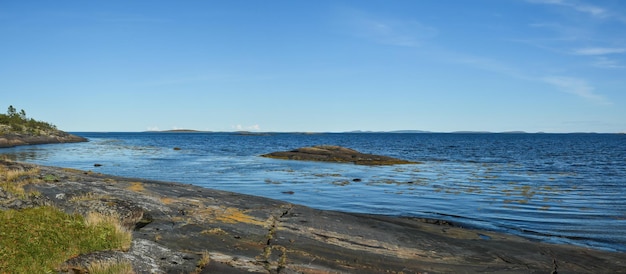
{"type": "Point", "coordinates": [14, 139]}
{"type": "Point", "coordinates": [249, 233]}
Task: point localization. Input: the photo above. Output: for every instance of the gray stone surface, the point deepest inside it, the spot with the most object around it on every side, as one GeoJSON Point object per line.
{"type": "Point", "coordinates": [175, 223]}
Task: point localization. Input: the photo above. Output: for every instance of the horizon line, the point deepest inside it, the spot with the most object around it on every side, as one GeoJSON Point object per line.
{"type": "Point", "coordinates": [355, 132]}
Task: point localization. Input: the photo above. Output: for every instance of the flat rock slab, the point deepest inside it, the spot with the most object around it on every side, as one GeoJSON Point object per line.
{"type": "Point", "coordinates": [175, 223]}
{"type": "Point", "coordinates": [335, 154]}
{"type": "Point", "coordinates": [11, 140]}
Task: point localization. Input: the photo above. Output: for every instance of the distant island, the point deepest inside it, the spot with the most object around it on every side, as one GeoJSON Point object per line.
{"type": "Point", "coordinates": [16, 129]}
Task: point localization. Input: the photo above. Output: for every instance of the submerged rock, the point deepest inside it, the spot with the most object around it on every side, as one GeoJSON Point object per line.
{"type": "Point", "coordinates": [336, 154]}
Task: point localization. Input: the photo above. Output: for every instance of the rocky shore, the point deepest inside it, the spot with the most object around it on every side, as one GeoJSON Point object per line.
{"type": "Point", "coordinates": [174, 224]}
{"type": "Point", "coordinates": [16, 139]}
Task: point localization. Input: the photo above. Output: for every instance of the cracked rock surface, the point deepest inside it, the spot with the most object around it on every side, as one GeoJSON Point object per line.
{"type": "Point", "coordinates": [175, 223]}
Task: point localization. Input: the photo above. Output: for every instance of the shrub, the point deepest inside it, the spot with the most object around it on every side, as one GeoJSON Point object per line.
{"type": "Point", "coordinates": [19, 123]}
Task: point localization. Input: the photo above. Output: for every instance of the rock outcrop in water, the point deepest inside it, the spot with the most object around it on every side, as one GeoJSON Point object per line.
{"type": "Point", "coordinates": [13, 139]}
{"type": "Point", "coordinates": [335, 154]}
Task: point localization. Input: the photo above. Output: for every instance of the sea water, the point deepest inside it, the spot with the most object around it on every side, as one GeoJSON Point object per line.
{"type": "Point", "coordinates": [558, 188]}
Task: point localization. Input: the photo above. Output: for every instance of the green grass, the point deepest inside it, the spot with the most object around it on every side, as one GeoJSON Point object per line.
{"type": "Point", "coordinates": [38, 240]}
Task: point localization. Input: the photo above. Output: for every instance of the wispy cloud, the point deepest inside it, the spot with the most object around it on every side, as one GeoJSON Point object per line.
{"type": "Point", "coordinates": [396, 32]}
{"type": "Point", "coordinates": [571, 85]}
{"type": "Point", "coordinates": [491, 65]}
{"type": "Point", "coordinates": [576, 86]}
{"type": "Point", "coordinates": [598, 51]}
{"type": "Point", "coordinates": [604, 62]}
{"type": "Point", "coordinates": [128, 18]}
{"type": "Point", "coordinates": [189, 78]}
{"type": "Point", "coordinates": [592, 10]}
{"type": "Point", "coordinates": [583, 35]}
{"type": "Point", "coordinates": [410, 33]}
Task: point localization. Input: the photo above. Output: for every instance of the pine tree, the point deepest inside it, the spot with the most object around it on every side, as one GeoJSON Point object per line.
{"type": "Point", "coordinates": [12, 112]}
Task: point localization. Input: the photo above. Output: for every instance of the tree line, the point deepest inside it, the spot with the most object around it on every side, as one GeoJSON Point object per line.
{"type": "Point", "coordinates": [18, 122]}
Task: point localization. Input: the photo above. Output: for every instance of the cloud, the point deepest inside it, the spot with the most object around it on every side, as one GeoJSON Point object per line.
{"type": "Point", "coordinates": [600, 60]}
{"type": "Point", "coordinates": [490, 65]}
{"type": "Point", "coordinates": [395, 32]}
{"type": "Point", "coordinates": [594, 11]}
{"type": "Point", "coordinates": [598, 51]}
{"type": "Point", "coordinates": [155, 128]}
{"type": "Point", "coordinates": [576, 86]}
{"type": "Point", "coordinates": [255, 127]}
{"type": "Point", "coordinates": [603, 62]}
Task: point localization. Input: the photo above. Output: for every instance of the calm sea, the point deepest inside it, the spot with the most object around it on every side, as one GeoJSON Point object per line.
{"type": "Point", "coordinates": [558, 188]}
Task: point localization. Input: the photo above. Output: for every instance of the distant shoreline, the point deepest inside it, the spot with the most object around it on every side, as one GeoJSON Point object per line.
{"type": "Point", "coordinates": [345, 132]}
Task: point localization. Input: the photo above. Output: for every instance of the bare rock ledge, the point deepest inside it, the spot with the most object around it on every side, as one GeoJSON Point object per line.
{"type": "Point", "coordinates": [175, 223]}
{"type": "Point", "coordinates": [14, 139]}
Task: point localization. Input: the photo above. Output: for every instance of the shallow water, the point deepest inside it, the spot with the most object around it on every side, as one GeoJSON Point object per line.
{"type": "Point", "coordinates": [560, 188]}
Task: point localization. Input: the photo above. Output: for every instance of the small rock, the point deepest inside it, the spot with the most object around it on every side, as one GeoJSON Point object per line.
{"type": "Point", "coordinates": [97, 165]}
{"type": "Point", "coordinates": [288, 192]}
{"type": "Point", "coordinates": [16, 204]}
{"type": "Point", "coordinates": [356, 180]}
{"type": "Point", "coordinates": [177, 148]}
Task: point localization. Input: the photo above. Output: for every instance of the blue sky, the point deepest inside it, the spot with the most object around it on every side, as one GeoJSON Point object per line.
{"type": "Point", "coordinates": [485, 65]}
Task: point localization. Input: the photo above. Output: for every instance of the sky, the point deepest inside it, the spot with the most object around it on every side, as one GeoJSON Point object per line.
{"type": "Point", "coordinates": [317, 66]}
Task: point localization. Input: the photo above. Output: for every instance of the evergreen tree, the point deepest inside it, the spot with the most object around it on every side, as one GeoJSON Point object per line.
{"type": "Point", "coordinates": [11, 111]}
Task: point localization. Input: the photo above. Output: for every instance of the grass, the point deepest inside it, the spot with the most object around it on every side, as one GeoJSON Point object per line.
{"type": "Point", "coordinates": [37, 240]}
{"type": "Point", "coordinates": [136, 187]}
{"type": "Point", "coordinates": [89, 196]}
{"type": "Point", "coordinates": [115, 267]}
{"type": "Point", "coordinates": [204, 261]}
{"type": "Point", "coordinates": [14, 180]}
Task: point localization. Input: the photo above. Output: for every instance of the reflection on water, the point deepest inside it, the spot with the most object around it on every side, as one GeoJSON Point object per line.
{"type": "Point", "coordinates": [33, 154]}
{"type": "Point", "coordinates": [555, 188]}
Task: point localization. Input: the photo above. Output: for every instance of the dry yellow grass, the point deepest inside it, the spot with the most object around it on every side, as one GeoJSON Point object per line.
{"type": "Point", "coordinates": [111, 267]}
{"type": "Point", "coordinates": [229, 215]}
{"type": "Point", "coordinates": [87, 197]}
{"type": "Point", "coordinates": [214, 231]}
{"type": "Point", "coordinates": [234, 215]}
{"type": "Point", "coordinates": [122, 237]}
{"type": "Point", "coordinates": [203, 262]}
{"type": "Point", "coordinates": [136, 186]}
{"type": "Point", "coordinates": [14, 180]}
{"type": "Point", "coordinates": [167, 200]}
